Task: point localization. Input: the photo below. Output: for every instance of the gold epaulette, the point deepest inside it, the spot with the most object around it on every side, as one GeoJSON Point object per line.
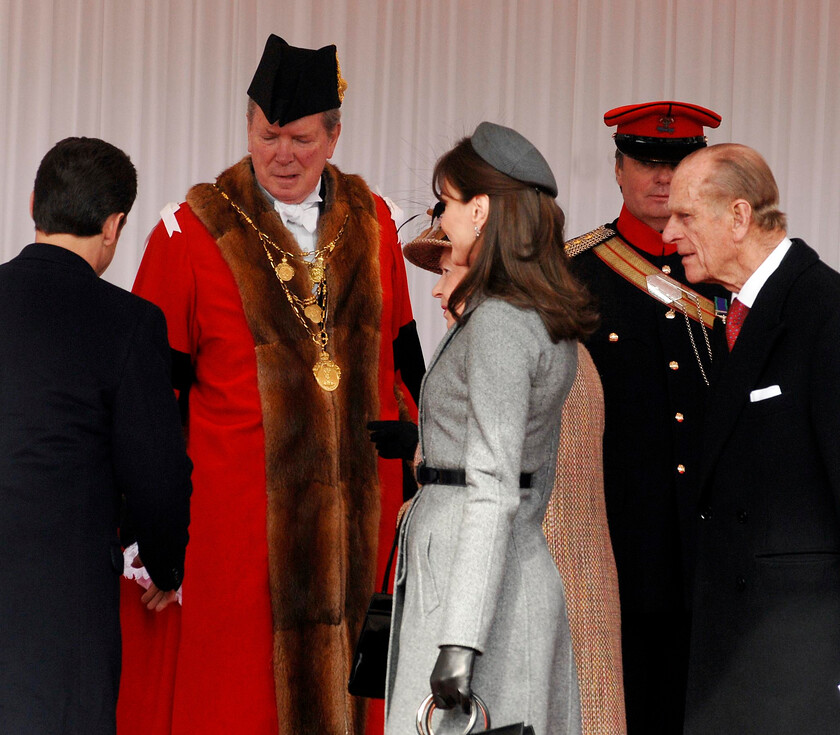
{"type": "Point", "coordinates": [582, 243]}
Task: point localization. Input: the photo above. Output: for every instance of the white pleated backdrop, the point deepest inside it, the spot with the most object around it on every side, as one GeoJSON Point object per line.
{"type": "Point", "coordinates": [165, 80]}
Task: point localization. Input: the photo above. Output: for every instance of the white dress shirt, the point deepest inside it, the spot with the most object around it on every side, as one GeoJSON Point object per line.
{"type": "Point", "coordinates": [749, 291]}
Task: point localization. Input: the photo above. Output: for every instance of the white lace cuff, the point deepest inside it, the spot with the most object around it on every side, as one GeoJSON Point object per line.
{"type": "Point", "coordinates": [139, 574]}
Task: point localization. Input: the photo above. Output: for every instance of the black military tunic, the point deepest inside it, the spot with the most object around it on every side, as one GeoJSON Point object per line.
{"type": "Point", "coordinates": [654, 392]}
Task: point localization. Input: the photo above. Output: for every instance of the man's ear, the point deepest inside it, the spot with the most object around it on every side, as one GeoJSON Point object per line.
{"type": "Point", "coordinates": [331, 144]}
{"type": "Point", "coordinates": [32, 205]}
{"type": "Point", "coordinates": [112, 228]}
{"type": "Point", "coordinates": [741, 218]}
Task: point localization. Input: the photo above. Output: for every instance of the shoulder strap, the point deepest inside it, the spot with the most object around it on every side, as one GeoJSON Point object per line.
{"type": "Point", "coordinates": [581, 244]}
{"type": "Point", "coordinates": [631, 266]}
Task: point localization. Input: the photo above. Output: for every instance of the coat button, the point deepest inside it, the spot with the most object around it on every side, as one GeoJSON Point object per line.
{"type": "Point", "coordinates": [741, 584]}
{"type": "Point", "coordinates": [666, 269]}
{"type": "Point", "coordinates": [742, 515]}
{"type": "Point", "coordinates": [681, 469]}
{"type": "Point", "coordinates": [674, 365]}
{"type": "Point", "coordinates": [613, 337]}
{"type": "Point", "coordinates": [706, 514]}
{"type": "Point", "coordinates": [679, 417]}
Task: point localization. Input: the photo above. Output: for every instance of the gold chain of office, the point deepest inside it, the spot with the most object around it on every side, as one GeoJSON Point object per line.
{"type": "Point", "coordinates": [312, 308]}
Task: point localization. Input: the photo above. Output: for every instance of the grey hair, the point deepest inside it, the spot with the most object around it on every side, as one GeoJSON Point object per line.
{"type": "Point", "coordinates": [330, 118]}
{"type": "Point", "coordinates": [741, 173]}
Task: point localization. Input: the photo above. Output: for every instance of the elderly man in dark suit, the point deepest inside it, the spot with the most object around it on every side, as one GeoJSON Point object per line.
{"type": "Point", "coordinates": [88, 422]}
{"type": "Point", "coordinates": [765, 648]}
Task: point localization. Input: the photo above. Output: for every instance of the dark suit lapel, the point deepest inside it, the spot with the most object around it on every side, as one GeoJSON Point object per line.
{"type": "Point", "coordinates": [730, 392]}
{"type": "Point", "coordinates": [720, 351]}
{"type": "Point", "coordinates": [737, 375]}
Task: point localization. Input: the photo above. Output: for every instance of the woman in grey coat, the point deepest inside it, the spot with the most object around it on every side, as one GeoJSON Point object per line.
{"type": "Point", "coordinates": [479, 606]}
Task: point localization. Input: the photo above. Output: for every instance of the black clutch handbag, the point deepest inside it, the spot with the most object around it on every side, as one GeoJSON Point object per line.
{"type": "Point", "coordinates": [370, 658]}
{"type": "Point", "coordinates": [478, 710]}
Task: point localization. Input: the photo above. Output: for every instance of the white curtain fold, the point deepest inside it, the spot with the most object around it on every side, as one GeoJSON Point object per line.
{"type": "Point", "coordinates": [165, 80]}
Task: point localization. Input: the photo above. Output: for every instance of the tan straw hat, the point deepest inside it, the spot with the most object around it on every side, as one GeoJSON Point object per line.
{"type": "Point", "coordinates": [425, 250]}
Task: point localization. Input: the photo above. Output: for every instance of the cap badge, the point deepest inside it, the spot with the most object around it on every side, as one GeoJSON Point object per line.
{"type": "Point", "coordinates": [666, 124]}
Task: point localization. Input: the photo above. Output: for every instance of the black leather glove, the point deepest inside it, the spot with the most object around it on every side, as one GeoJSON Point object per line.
{"type": "Point", "coordinates": [394, 439]}
{"type": "Point", "coordinates": [452, 677]}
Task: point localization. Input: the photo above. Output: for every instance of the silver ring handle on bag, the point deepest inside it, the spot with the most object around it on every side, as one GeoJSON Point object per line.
{"type": "Point", "coordinates": [424, 715]}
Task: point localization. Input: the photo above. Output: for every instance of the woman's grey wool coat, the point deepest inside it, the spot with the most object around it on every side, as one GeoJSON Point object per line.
{"type": "Point", "coordinates": [473, 567]}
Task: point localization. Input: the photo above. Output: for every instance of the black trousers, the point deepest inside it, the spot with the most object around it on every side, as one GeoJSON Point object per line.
{"type": "Point", "coordinates": [655, 659]}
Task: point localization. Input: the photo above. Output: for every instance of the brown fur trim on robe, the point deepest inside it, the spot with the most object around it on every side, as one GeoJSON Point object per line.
{"type": "Point", "coordinates": [321, 469]}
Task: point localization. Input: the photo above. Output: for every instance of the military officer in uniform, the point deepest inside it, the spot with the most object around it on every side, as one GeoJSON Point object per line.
{"type": "Point", "coordinates": [653, 355]}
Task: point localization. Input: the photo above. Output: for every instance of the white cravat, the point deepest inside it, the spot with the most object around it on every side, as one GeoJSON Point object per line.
{"type": "Point", "coordinates": [304, 214]}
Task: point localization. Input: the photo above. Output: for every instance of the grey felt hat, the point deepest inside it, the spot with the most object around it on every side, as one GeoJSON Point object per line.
{"type": "Point", "coordinates": [513, 154]}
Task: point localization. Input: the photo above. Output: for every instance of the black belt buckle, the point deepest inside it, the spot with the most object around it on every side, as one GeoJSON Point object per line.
{"type": "Point", "coordinates": [426, 475]}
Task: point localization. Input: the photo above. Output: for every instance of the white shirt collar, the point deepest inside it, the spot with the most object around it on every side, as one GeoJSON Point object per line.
{"type": "Point", "coordinates": [306, 237]}
{"type": "Point", "coordinates": [749, 291]}
{"type": "Point", "coordinates": [313, 197]}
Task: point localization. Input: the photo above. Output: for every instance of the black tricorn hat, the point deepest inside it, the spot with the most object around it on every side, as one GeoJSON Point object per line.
{"type": "Point", "coordinates": [292, 82]}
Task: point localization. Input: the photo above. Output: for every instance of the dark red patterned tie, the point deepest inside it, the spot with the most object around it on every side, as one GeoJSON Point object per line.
{"type": "Point", "coordinates": [734, 319]}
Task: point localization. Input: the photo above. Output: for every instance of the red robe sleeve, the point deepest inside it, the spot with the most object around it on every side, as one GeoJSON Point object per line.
{"type": "Point", "coordinates": [398, 324]}
{"type": "Point", "coordinates": [170, 671]}
{"type": "Point", "coordinates": [166, 255]}
{"type": "Point", "coordinates": [400, 371]}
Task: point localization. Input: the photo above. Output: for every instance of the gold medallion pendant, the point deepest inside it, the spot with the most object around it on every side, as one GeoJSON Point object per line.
{"type": "Point", "coordinates": [284, 271]}
{"type": "Point", "coordinates": [316, 271]}
{"type": "Point", "coordinates": [313, 312]}
{"type": "Point", "coordinates": [312, 309]}
{"type": "Point", "coordinates": [326, 372]}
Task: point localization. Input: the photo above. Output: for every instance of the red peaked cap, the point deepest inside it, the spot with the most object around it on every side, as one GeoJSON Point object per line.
{"type": "Point", "coordinates": [664, 131]}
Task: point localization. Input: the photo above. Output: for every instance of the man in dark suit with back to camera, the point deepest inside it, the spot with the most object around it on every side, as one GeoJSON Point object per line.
{"type": "Point", "coordinates": [765, 644]}
{"type": "Point", "coordinates": [653, 359]}
{"type": "Point", "coordinates": [87, 418]}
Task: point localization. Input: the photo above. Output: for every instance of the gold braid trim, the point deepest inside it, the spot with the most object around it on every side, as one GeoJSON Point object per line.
{"type": "Point", "coordinates": [631, 266]}
{"type": "Point", "coordinates": [581, 244]}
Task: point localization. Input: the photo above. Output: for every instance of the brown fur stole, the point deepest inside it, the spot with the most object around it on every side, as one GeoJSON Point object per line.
{"type": "Point", "coordinates": [321, 470]}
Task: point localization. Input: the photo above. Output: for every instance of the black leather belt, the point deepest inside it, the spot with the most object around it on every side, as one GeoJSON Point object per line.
{"type": "Point", "coordinates": [430, 475]}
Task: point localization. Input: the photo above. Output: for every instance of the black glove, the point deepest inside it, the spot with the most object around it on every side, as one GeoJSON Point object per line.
{"type": "Point", "coordinates": [394, 439]}
{"type": "Point", "coordinates": [452, 677]}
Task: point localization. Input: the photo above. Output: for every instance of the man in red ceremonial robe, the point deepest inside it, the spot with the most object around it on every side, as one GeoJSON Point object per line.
{"type": "Point", "coordinates": [287, 307]}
